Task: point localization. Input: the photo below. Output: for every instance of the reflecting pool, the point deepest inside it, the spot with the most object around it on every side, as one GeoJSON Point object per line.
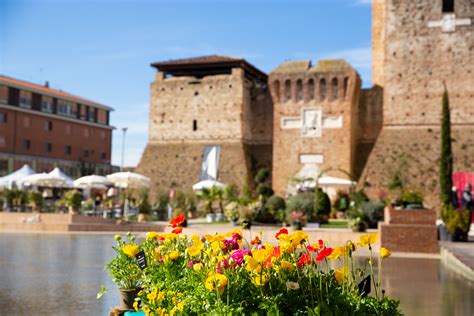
{"type": "Point", "coordinates": [60, 274]}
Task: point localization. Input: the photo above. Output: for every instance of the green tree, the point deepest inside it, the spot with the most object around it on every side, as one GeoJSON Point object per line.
{"type": "Point", "coordinates": [446, 159]}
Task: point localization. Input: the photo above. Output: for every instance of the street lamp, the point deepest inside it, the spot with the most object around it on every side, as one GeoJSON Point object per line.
{"type": "Point", "coordinates": [124, 130]}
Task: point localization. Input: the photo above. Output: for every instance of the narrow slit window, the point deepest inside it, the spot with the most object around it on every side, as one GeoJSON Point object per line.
{"type": "Point", "coordinates": [334, 89]}
{"type": "Point", "coordinates": [276, 87]}
{"type": "Point", "coordinates": [287, 90]}
{"type": "Point", "coordinates": [322, 89]}
{"type": "Point", "coordinates": [448, 6]}
{"type": "Point", "coordinates": [299, 90]}
{"type": "Point", "coordinates": [311, 89]}
{"type": "Point", "coordinates": [195, 125]}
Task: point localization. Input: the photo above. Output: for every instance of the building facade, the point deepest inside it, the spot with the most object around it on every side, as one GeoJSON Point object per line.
{"type": "Point", "coordinates": [321, 118]}
{"type": "Point", "coordinates": [210, 118]}
{"type": "Point", "coordinates": [48, 128]}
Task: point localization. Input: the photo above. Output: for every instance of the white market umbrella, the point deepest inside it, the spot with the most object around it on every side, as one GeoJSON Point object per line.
{"type": "Point", "coordinates": [207, 184]}
{"type": "Point", "coordinates": [57, 173]}
{"type": "Point", "coordinates": [129, 180]}
{"type": "Point", "coordinates": [332, 181]}
{"type": "Point", "coordinates": [92, 182]}
{"type": "Point", "coordinates": [13, 178]}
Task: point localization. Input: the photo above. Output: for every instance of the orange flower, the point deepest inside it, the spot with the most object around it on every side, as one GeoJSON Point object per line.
{"type": "Point", "coordinates": [256, 241]}
{"type": "Point", "coordinates": [282, 231]}
{"type": "Point", "coordinates": [177, 230]}
{"type": "Point", "coordinates": [177, 221]}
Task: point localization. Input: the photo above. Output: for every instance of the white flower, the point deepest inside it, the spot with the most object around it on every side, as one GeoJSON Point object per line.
{"type": "Point", "coordinates": [292, 285]}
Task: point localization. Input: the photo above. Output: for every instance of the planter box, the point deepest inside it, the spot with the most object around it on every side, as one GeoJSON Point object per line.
{"type": "Point", "coordinates": [409, 230]}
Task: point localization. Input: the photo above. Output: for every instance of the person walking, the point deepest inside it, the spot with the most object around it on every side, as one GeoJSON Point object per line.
{"type": "Point", "coordinates": [455, 197]}
{"type": "Point", "coordinates": [467, 202]}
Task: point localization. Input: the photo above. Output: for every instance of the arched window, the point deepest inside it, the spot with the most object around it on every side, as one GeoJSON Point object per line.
{"type": "Point", "coordinates": [334, 88]}
{"type": "Point", "coordinates": [287, 90]}
{"type": "Point", "coordinates": [346, 86]}
{"type": "Point", "coordinates": [276, 88]}
{"type": "Point", "coordinates": [448, 6]}
{"type": "Point", "coordinates": [299, 90]}
{"type": "Point", "coordinates": [311, 89]}
{"type": "Point", "coordinates": [322, 89]}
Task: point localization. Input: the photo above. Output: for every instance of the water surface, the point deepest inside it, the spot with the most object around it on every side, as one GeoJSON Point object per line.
{"type": "Point", "coordinates": [60, 274]}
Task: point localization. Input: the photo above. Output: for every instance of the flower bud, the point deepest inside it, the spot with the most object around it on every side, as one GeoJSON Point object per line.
{"type": "Point", "coordinates": [118, 237]}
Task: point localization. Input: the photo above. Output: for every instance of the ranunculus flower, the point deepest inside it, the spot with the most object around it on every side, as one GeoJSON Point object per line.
{"type": "Point", "coordinates": [304, 259]}
{"type": "Point", "coordinates": [239, 255]}
{"type": "Point", "coordinates": [230, 245]}
{"type": "Point", "coordinates": [286, 266]}
{"type": "Point", "coordinates": [216, 281]}
{"type": "Point", "coordinates": [177, 221]}
{"type": "Point", "coordinates": [282, 231]}
{"type": "Point", "coordinates": [384, 252]}
{"type": "Point", "coordinates": [256, 241]}
{"type": "Point", "coordinates": [173, 255]}
{"type": "Point", "coordinates": [292, 285]}
{"type": "Point", "coordinates": [131, 250]}
{"type": "Point", "coordinates": [323, 254]}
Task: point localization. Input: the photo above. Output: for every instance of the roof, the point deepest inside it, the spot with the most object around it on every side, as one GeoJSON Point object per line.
{"type": "Point", "coordinates": [44, 90]}
{"type": "Point", "coordinates": [326, 65]}
{"type": "Point", "coordinates": [293, 66]}
{"type": "Point", "coordinates": [332, 65]}
{"type": "Point", "coordinates": [208, 65]}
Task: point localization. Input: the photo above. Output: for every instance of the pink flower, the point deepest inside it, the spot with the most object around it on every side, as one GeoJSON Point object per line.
{"type": "Point", "coordinates": [239, 255]}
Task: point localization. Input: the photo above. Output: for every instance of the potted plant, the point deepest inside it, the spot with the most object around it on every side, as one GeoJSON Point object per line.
{"type": "Point", "coordinates": [36, 201]}
{"type": "Point", "coordinates": [456, 223]}
{"type": "Point", "coordinates": [412, 199]}
{"type": "Point", "coordinates": [144, 208]}
{"type": "Point", "coordinates": [125, 271]}
{"type": "Point", "coordinates": [210, 196]}
{"type": "Point", "coordinates": [73, 201]}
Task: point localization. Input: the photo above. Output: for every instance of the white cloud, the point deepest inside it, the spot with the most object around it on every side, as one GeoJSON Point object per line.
{"type": "Point", "coordinates": [363, 2]}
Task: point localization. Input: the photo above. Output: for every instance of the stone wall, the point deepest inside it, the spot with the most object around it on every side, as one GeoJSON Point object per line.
{"type": "Point", "coordinates": [419, 58]}
{"type": "Point", "coordinates": [413, 154]}
{"type": "Point", "coordinates": [333, 87]}
{"type": "Point", "coordinates": [187, 113]}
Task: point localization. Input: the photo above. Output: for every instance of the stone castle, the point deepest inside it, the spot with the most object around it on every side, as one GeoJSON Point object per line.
{"type": "Point", "coordinates": [221, 118]}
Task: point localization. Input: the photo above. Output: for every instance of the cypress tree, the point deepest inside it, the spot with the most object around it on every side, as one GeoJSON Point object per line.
{"type": "Point", "coordinates": [446, 159]}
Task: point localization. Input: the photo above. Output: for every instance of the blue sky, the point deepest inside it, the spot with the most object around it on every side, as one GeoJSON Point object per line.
{"type": "Point", "coordinates": [102, 49]}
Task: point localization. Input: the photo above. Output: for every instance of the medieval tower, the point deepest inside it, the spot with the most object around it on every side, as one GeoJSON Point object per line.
{"type": "Point", "coordinates": [418, 47]}
{"type": "Point", "coordinates": [210, 118]}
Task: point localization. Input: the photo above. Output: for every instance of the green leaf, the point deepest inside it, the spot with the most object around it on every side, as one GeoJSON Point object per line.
{"type": "Point", "coordinates": [103, 290]}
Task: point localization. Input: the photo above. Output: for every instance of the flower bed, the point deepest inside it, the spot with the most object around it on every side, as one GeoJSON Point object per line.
{"type": "Point", "coordinates": [224, 274]}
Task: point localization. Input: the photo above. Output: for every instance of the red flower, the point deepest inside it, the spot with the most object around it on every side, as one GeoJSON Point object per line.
{"type": "Point", "coordinates": [323, 254]}
{"type": "Point", "coordinates": [177, 230]}
{"type": "Point", "coordinates": [256, 241]}
{"type": "Point", "coordinates": [177, 221]}
{"type": "Point", "coordinates": [282, 231]}
{"type": "Point", "coordinates": [304, 259]}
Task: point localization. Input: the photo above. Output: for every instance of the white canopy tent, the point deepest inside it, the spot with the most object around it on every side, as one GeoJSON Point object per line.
{"type": "Point", "coordinates": [129, 180]}
{"type": "Point", "coordinates": [207, 184]}
{"type": "Point", "coordinates": [92, 182]}
{"type": "Point", "coordinates": [13, 179]}
{"type": "Point", "coordinates": [54, 179]}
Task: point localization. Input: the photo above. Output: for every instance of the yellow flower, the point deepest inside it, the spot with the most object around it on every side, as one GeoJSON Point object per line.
{"type": "Point", "coordinates": [151, 235]}
{"type": "Point", "coordinates": [260, 255]}
{"type": "Point", "coordinates": [214, 238]}
{"type": "Point", "coordinates": [131, 250]}
{"type": "Point", "coordinates": [341, 274]}
{"type": "Point", "coordinates": [135, 306]}
{"type": "Point", "coordinates": [216, 281]}
{"type": "Point", "coordinates": [180, 306]}
{"type": "Point", "coordinates": [260, 279]}
{"type": "Point", "coordinates": [384, 252]}
{"type": "Point", "coordinates": [252, 264]}
{"type": "Point", "coordinates": [173, 255]}
{"type": "Point", "coordinates": [287, 266]}
{"type": "Point", "coordinates": [197, 267]}
{"type": "Point", "coordinates": [368, 239]}
{"type": "Point", "coordinates": [338, 251]}
{"type": "Point", "coordinates": [196, 248]}
{"type": "Point", "coordinates": [298, 237]}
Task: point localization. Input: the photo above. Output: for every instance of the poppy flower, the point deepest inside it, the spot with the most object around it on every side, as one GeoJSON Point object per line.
{"type": "Point", "coordinates": [282, 231]}
{"type": "Point", "coordinates": [304, 259]}
{"type": "Point", "coordinates": [177, 230]}
{"type": "Point", "coordinates": [323, 254]}
{"type": "Point", "coordinates": [177, 221]}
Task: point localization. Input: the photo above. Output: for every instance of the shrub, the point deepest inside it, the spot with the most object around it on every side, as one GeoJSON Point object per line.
{"type": "Point", "coordinates": [144, 206]}
{"type": "Point", "coordinates": [303, 202]}
{"type": "Point", "coordinates": [36, 199]}
{"type": "Point", "coordinates": [372, 212]}
{"type": "Point", "coordinates": [276, 203]}
{"type": "Point", "coordinates": [412, 196]}
{"type": "Point", "coordinates": [456, 221]}
{"type": "Point", "coordinates": [322, 205]}
{"type": "Point", "coordinates": [262, 175]}
{"type": "Point", "coordinates": [73, 199]}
